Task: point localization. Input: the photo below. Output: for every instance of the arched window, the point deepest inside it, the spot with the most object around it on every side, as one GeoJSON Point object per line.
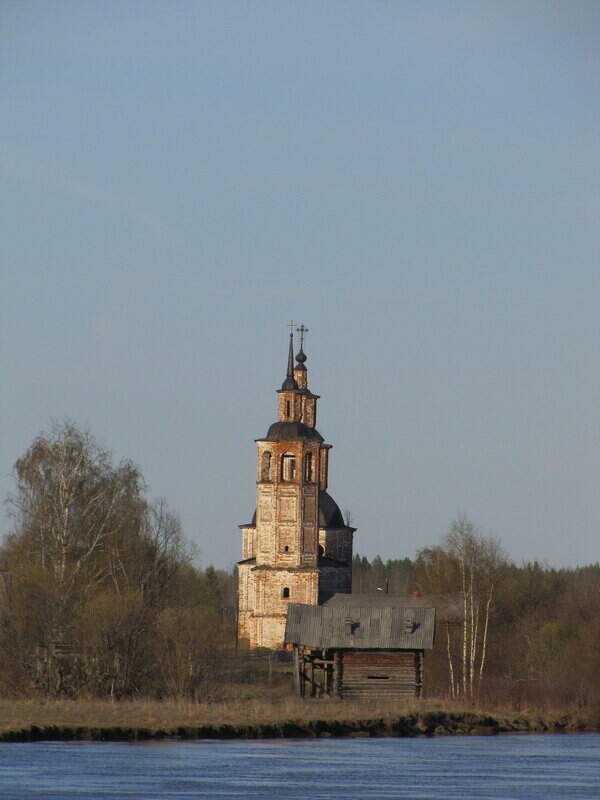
{"type": "Point", "coordinates": [288, 467]}
{"type": "Point", "coordinates": [287, 408]}
{"type": "Point", "coordinates": [265, 469]}
{"type": "Point", "coordinates": [285, 592]}
{"type": "Point", "coordinates": [308, 467]}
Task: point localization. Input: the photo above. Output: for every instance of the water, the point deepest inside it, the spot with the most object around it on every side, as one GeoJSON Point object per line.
{"type": "Point", "coordinates": [486, 768]}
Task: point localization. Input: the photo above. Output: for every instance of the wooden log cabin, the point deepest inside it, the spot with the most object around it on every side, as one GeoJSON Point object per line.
{"type": "Point", "coordinates": [359, 653]}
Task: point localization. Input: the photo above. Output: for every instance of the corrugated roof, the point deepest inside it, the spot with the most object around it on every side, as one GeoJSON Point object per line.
{"type": "Point", "coordinates": [363, 628]}
{"type": "Point", "coordinates": [448, 607]}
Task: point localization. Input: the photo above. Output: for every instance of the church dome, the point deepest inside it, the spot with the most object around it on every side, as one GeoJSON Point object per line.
{"type": "Point", "coordinates": [284, 431]}
{"type": "Point", "coordinates": [330, 515]}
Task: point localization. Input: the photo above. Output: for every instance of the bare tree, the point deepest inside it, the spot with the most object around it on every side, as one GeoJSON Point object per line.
{"type": "Point", "coordinates": [69, 502]}
{"type": "Point", "coordinates": [466, 562]}
{"type": "Point", "coordinates": [478, 560]}
{"type": "Point", "coordinates": [104, 596]}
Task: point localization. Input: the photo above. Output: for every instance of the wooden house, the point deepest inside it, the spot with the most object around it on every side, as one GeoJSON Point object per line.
{"type": "Point", "coordinates": [359, 653]}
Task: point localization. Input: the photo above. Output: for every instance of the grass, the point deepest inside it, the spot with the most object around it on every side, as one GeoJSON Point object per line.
{"type": "Point", "coordinates": [165, 714]}
{"type": "Point", "coordinates": [169, 715]}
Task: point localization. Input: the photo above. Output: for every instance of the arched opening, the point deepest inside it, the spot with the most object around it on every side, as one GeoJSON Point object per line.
{"type": "Point", "coordinates": [288, 467]}
{"type": "Point", "coordinates": [265, 470]}
{"type": "Point", "coordinates": [287, 408]}
{"type": "Point", "coordinates": [308, 467]}
{"type": "Point", "coordinates": [285, 592]}
{"type": "Point", "coordinates": [321, 550]}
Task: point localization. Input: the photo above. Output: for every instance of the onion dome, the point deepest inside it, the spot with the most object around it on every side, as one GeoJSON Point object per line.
{"type": "Point", "coordinates": [300, 358]}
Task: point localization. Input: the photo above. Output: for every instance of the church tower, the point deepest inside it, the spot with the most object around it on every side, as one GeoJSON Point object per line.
{"type": "Point", "coordinates": [297, 548]}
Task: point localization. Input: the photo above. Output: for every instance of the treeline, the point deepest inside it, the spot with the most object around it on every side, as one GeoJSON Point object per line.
{"type": "Point", "coordinates": [544, 645]}
{"type": "Point", "coordinates": [393, 576]}
{"type": "Point", "coordinates": [525, 633]}
{"type": "Point", "coordinates": [505, 632]}
{"type": "Point", "coordinates": [99, 593]}
{"type": "Point", "coordinates": [100, 596]}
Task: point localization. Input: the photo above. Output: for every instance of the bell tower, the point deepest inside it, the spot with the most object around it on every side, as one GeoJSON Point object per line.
{"type": "Point", "coordinates": [284, 547]}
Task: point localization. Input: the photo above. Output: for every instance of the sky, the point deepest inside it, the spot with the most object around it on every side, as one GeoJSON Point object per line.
{"type": "Point", "coordinates": [417, 183]}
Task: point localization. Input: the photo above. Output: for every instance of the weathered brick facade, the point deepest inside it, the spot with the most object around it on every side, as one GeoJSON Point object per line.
{"type": "Point", "coordinates": [297, 548]}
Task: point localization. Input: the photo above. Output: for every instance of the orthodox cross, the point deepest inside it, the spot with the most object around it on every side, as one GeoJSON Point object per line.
{"type": "Point", "coordinates": [301, 330]}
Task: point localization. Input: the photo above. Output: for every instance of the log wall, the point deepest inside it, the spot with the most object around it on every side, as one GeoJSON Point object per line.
{"type": "Point", "coordinates": [381, 674]}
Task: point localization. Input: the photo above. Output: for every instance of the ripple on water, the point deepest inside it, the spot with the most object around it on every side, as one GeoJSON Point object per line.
{"type": "Point", "coordinates": [522, 767]}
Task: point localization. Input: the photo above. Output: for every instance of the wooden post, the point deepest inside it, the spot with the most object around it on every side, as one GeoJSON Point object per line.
{"type": "Point", "coordinates": [419, 671]}
{"type": "Point", "coordinates": [338, 676]}
{"type": "Point", "coordinates": [301, 668]}
{"type": "Point", "coordinates": [297, 671]}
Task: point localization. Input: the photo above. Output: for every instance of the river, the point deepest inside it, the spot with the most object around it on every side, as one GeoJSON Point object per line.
{"type": "Point", "coordinates": [507, 767]}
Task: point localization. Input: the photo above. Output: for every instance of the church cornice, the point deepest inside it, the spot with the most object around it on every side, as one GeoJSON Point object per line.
{"type": "Point", "coordinates": [269, 568]}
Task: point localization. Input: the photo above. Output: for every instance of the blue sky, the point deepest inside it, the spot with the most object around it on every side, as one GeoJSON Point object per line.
{"type": "Point", "coordinates": [416, 182]}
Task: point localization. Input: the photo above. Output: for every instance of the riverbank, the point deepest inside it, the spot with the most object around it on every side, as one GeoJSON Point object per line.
{"type": "Point", "coordinates": [140, 720]}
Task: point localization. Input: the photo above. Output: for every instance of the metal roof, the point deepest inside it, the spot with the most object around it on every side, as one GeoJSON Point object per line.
{"type": "Point", "coordinates": [361, 628]}
{"type": "Point", "coordinates": [290, 431]}
{"type": "Point", "coordinates": [448, 607]}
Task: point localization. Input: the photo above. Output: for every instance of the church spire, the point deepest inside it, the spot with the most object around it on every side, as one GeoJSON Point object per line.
{"type": "Point", "coordinates": [290, 369]}
{"type": "Point", "coordinates": [289, 384]}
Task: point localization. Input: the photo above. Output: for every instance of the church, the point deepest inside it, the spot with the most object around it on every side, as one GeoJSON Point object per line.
{"type": "Point", "coordinates": [297, 549]}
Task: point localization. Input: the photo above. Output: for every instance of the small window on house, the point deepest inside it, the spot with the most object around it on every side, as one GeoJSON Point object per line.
{"type": "Point", "coordinates": [285, 592]}
{"type": "Point", "coordinates": [286, 549]}
{"type": "Point", "coordinates": [308, 468]}
{"type": "Point", "coordinates": [265, 470]}
{"type": "Point", "coordinates": [288, 467]}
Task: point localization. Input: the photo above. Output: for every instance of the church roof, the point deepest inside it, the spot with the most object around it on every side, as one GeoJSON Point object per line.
{"type": "Point", "coordinates": [284, 431]}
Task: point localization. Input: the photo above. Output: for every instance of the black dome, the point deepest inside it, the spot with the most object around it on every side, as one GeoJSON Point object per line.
{"type": "Point", "coordinates": [330, 515]}
{"type": "Point", "coordinates": [282, 431]}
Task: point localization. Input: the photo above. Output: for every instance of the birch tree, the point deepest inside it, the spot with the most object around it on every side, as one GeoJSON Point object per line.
{"type": "Point", "coordinates": [70, 502]}
{"type": "Point", "coordinates": [478, 560]}
{"type": "Point", "coordinates": [466, 563]}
